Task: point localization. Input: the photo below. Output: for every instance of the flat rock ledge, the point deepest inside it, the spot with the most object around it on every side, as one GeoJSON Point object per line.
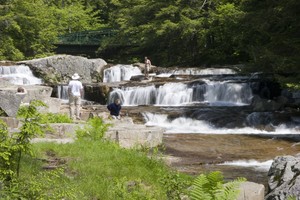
{"type": "Point", "coordinates": [124, 132]}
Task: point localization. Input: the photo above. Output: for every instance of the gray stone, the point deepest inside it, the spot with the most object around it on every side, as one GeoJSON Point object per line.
{"type": "Point", "coordinates": [11, 122]}
{"type": "Point", "coordinates": [251, 191]}
{"type": "Point", "coordinates": [260, 105]}
{"type": "Point", "coordinates": [10, 102]}
{"type": "Point", "coordinates": [53, 105]}
{"type": "Point", "coordinates": [284, 179]}
{"type": "Point", "coordinates": [130, 135]}
{"type": "Point", "coordinates": [59, 68]}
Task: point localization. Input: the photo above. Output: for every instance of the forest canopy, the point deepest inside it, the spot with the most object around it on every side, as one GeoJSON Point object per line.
{"type": "Point", "coordinates": [261, 33]}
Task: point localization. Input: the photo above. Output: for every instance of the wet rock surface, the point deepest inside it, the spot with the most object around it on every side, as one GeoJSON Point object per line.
{"type": "Point", "coordinates": [202, 153]}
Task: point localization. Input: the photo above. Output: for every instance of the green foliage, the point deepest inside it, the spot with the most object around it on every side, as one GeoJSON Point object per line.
{"type": "Point", "coordinates": [29, 28]}
{"type": "Point", "coordinates": [175, 185]}
{"type": "Point", "coordinates": [2, 113]}
{"type": "Point", "coordinates": [131, 190]}
{"type": "Point", "coordinates": [212, 187]}
{"type": "Point", "coordinates": [13, 145]}
{"type": "Point", "coordinates": [93, 130]}
{"type": "Point", "coordinates": [95, 167]}
{"type": "Point", "coordinates": [43, 185]}
{"type": "Point", "coordinates": [55, 118]}
{"type": "Point", "coordinates": [291, 198]}
{"type": "Point", "coordinates": [30, 119]}
{"type": "Point", "coordinates": [6, 151]}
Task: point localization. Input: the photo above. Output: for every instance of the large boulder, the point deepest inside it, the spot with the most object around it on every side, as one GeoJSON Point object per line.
{"type": "Point", "coordinates": [261, 105]}
{"type": "Point", "coordinates": [59, 68]}
{"type": "Point", "coordinates": [11, 99]}
{"type": "Point", "coordinates": [284, 178]}
{"type": "Point", "coordinates": [10, 102]}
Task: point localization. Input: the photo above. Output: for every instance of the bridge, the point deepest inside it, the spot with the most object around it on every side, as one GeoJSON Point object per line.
{"type": "Point", "coordinates": [83, 43]}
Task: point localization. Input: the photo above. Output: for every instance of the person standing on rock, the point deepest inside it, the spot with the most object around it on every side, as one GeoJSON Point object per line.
{"type": "Point", "coordinates": [115, 109]}
{"type": "Point", "coordinates": [147, 67]}
{"type": "Point", "coordinates": [75, 91]}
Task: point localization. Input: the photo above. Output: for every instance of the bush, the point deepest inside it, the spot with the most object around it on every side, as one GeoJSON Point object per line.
{"type": "Point", "coordinates": [55, 118]}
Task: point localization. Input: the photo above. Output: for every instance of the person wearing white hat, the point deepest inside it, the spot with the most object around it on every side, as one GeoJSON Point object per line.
{"type": "Point", "coordinates": [75, 91]}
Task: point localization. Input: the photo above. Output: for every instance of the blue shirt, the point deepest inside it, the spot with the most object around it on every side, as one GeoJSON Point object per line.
{"type": "Point", "coordinates": [114, 109]}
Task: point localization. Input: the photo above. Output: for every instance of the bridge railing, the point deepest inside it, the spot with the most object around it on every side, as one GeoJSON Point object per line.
{"type": "Point", "coordinates": [85, 37]}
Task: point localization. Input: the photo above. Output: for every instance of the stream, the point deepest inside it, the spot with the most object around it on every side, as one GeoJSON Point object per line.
{"type": "Point", "coordinates": [207, 114]}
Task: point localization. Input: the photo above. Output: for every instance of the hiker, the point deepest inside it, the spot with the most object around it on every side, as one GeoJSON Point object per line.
{"type": "Point", "coordinates": [147, 67]}
{"type": "Point", "coordinates": [75, 91]}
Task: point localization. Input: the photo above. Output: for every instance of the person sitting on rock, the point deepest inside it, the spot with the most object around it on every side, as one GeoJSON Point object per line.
{"type": "Point", "coordinates": [115, 109]}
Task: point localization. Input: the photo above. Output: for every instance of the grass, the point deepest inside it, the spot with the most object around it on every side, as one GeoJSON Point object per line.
{"type": "Point", "coordinates": [102, 170]}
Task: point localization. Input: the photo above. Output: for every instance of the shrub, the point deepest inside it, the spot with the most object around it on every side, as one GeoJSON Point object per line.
{"type": "Point", "coordinates": [55, 118]}
{"type": "Point", "coordinates": [94, 129]}
{"type": "Point", "coordinates": [212, 187]}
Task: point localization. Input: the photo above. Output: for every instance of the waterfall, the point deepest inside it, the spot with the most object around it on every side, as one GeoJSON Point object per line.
{"type": "Point", "coordinates": [19, 75]}
{"type": "Point", "coordinates": [120, 72]}
{"type": "Point", "coordinates": [134, 96]}
{"type": "Point", "coordinates": [167, 94]}
{"type": "Point", "coordinates": [62, 92]}
{"type": "Point", "coordinates": [220, 93]}
{"type": "Point", "coordinates": [175, 94]}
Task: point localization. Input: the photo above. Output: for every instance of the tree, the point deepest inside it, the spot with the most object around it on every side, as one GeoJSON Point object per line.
{"type": "Point", "coordinates": [31, 27]}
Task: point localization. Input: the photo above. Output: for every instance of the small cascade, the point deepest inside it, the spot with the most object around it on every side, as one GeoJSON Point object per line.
{"type": "Point", "coordinates": [62, 92]}
{"type": "Point", "coordinates": [19, 75]}
{"type": "Point", "coordinates": [134, 96]}
{"type": "Point", "coordinates": [120, 72]}
{"type": "Point", "coordinates": [226, 93]}
{"type": "Point", "coordinates": [176, 94]}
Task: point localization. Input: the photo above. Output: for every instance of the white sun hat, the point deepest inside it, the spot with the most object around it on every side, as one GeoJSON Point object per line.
{"type": "Point", "coordinates": [75, 76]}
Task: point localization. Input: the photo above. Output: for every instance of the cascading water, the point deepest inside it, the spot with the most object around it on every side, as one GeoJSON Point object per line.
{"type": "Point", "coordinates": [62, 92]}
{"type": "Point", "coordinates": [189, 125]}
{"type": "Point", "coordinates": [120, 72]}
{"type": "Point", "coordinates": [226, 93]}
{"type": "Point", "coordinates": [19, 75]}
{"type": "Point", "coordinates": [197, 71]}
{"type": "Point", "coordinates": [215, 123]}
{"type": "Point", "coordinates": [134, 96]}
{"type": "Point", "coordinates": [208, 71]}
{"type": "Point", "coordinates": [176, 94]}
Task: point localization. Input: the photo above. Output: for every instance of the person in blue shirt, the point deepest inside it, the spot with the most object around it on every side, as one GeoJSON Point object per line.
{"type": "Point", "coordinates": [115, 109]}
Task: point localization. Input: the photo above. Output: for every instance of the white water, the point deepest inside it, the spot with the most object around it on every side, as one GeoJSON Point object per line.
{"type": "Point", "coordinates": [222, 93]}
{"type": "Point", "coordinates": [19, 75]}
{"type": "Point", "coordinates": [120, 72]}
{"type": "Point", "coordinates": [208, 71]}
{"type": "Point", "coordinates": [62, 92]}
{"type": "Point", "coordinates": [188, 125]}
{"type": "Point", "coordinates": [197, 71]}
{"type": "Point", "coordinates": [177, 94]}
{"type": "Point", "coordinates": [261, 166]}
